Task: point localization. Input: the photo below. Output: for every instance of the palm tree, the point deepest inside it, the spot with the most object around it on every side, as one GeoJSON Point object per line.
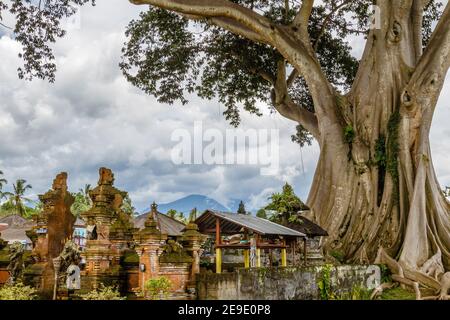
{"type": "Point", "coordinates": [2, 183]}
{"type": "Point", "coordinates": [17, 198]}
{"type": "Point", "coordinates": [172, 213]}
{"type": "Point", "coordinates": [85, 192]}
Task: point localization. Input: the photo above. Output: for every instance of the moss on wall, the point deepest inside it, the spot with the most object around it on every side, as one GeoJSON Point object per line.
{"type": "Point", "coordinates": [130, 257]}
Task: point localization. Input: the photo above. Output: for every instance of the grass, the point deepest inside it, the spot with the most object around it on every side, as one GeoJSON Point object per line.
{"type": "Point", "coordinates": [398, 294]}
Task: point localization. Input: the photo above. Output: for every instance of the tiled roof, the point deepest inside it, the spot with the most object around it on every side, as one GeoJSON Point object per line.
{"type": "Point", "coordinates": [233, 222]}
{"type": "Point", "coordinates": [306, 226]}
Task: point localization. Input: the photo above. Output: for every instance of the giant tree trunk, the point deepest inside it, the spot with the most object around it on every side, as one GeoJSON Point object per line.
{"type": "Point", "coordinates": [376, 186]}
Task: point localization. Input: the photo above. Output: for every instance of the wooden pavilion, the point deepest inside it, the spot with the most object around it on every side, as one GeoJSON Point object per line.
{"type": "Point", "coordinates": [250, 234]}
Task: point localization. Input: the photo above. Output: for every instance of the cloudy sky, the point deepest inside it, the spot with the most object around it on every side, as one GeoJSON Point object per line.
{"type": "Point", "coordinates": [91, 117]}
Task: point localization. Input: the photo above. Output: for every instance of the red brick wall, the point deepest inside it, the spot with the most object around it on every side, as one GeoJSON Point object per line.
{"type": "Point", "coordinates": [132, 278]}
{"type": "Point", "coordinates": [4, 275]}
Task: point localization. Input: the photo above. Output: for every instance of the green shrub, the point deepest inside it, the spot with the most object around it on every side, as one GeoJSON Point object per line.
{"type": "Point", "coordinates": [17, 291]}
{"type": "Point", "coordinates": [358, 292]}
{"type": "Point", "coordinates": [105, 293]}
{"type": "Point", "coordinates": [338, 255]}
{"type": "Point", "coordinates": [349, 133]}
{"type": "Point", "coordinates": [385, 273]}
{"type": "Point", "coordinates": [157, 287]}
{"type": "Point", "coordinates": [397, 294]}
{"type": "Point", "coordinates": [324, 283]}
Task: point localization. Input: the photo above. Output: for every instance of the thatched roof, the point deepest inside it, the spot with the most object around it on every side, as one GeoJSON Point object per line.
{"type": "Point", "coordinates": [16, 221]}
{"type": "Point", "coordinates": [15, 234]}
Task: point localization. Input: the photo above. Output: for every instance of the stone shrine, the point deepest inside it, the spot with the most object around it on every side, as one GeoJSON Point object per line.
{"type": "Point", "coordinates": [109, 229]}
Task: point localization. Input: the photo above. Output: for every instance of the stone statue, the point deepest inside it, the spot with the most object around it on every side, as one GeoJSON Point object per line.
{"type": "Point", "coordinates": [3, 243]}
{"type": "Point", "coordinates": [172, 246]}
{"type": "Point", "coordinates": [16, 265]}
{"type": "Point", "coordinates": [73, 280]}
{"type": "Point", "coordinates": [91, 232]}
{"type": "Point", "coordinates": [70, 255]}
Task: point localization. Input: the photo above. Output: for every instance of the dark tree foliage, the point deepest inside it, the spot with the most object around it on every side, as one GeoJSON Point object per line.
{"type": "Point", "coordinates": [37, 26]}
{"type": "Point", "coordinates": [170, 57]}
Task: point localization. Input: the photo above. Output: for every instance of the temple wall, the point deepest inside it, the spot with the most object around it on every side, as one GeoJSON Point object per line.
{"type": "Point", "coordinates": [290, 283]}
{"type": "Point", "coordinates": [4, 275]}
{"type": "Point", "coordinates": [178, 274]}
{"type": "Point", "coordinates": [132, 274]}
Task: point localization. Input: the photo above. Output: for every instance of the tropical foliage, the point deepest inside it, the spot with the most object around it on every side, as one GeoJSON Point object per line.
{"type": "Point", "coordinates": [157, 287]}
{"type": "Point", "coordinates": [104, 293]}
{"type": "Point", "coordinates": [37, 26]}
{"type": "Point", "coordinates": [3, 181]}
{"type": "Point", "coordinates": [284, 204]}
{"type": "Point", "coordinates": [127, 207]}
{"type": "Point", "coordinates": [82, 200]}
{"type": "Point", "coordinates": [177, 215]}
{"type": "Point", "coordinates": [17, 291]}
{"type": "Point", "coordinates": [261, 213]}
{"type": "Point", "coordinates": [16, 200]}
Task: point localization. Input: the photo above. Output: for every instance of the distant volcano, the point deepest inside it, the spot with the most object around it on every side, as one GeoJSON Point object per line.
{"type": "Point", "coordinates": [187, 203]}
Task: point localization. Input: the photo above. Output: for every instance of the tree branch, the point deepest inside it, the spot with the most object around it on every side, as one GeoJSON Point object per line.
{"type": "Point", "coordinates": [288, 108]}
{"type": "Point", "coordinates": [429, 75]}
{"type": "Point", "coordinates": [280, 37]}
{"type": "Point", "coordinates": [301, 20]}
{"type": "Point", "coordinates": [237, 28]}
{"type": "Point", "coordinates": [327, 20]}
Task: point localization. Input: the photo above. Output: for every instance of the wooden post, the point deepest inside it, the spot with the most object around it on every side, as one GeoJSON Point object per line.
{"type": "Point", "coordinates": [293, 252]}
{"type": "Point", "coordinates": [283, 255]}
{"type": "Point", "coordinates": [218, 250]}
{"type": "Point", "coordinates": [258, 252]}
{"type": "Point", "coordinates": [218, 260]}
{"type": "Point", "coordinates": [304, 250]}
{"type": "Point", "coordinates": [218, 231]}
{"type": "Point", "coordinates": [246, 259]}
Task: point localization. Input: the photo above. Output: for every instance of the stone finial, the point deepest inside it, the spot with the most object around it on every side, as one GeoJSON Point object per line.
{"type": "Point", "coordinates": [106, 177]}
{"type": "Point", "coordinates": [151, 229]}
{"type": "Point", "coordinates": [154, 211]}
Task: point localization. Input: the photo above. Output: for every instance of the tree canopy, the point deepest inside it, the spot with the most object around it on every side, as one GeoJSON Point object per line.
{"type": "Point", "coordinates": [170, 56]}
{"type": "Point", "coordinates": [37, 25]}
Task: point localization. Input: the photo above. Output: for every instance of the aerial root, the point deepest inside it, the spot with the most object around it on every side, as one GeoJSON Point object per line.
{"type": "Point", "coordinates": [431, 275]}
{"type": "Point", "coordinates": [378, 291]}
